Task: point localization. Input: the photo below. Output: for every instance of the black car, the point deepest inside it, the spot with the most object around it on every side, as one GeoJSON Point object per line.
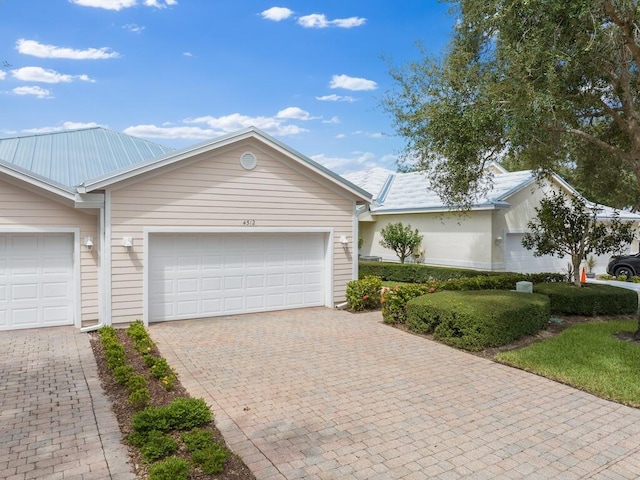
{"type": "Point", "coordinates": [628, 265]}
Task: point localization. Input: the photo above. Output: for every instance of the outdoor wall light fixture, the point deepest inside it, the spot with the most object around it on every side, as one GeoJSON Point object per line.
{"type": "Point", "coordinates": [498, 240]}
{"type": "Point", "coordinates": [343, 240]}
{"type": "Point", "coordinates": [88, 242]}
{"type": "Point", "coordinates": [127, 242]}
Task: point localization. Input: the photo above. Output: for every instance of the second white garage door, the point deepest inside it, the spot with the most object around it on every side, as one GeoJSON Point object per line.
{"type": "Point", "coordinates": [202, 275]}
{"type": "Point", "coordinates": [519, 259]}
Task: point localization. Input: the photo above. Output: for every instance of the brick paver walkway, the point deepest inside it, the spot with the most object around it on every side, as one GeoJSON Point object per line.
{"type": "Point", "coordinates": [55, 422]}
{"type": "Point", "coordinates": [324, 394]}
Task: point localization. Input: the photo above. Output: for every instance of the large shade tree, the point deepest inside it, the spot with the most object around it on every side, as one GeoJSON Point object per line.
{"type": "Point", "coordinates": [544, 84]}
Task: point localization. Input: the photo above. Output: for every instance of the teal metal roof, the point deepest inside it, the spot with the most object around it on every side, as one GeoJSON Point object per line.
{"type": "Point", "coordinates": [72, 157]}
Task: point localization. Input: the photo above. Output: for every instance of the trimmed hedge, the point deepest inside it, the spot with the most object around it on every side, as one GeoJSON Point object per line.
{"type": "Point", "coordinates": [474, 320]}
{"type": "Point", "coordinates": [418, 273]}
{"type": "Point", "coordinates": [589, 300]}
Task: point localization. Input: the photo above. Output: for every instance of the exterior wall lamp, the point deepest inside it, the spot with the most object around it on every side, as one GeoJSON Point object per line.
{"type": "Point", "coordinates": [88, 242]}
{"type": "Point", "coordinates": [127, 242]}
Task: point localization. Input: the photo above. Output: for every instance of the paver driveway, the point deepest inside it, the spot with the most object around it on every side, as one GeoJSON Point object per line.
{"type": "Point", "coordinates": [319, 393]}
{"type": "Point", "coordinates": [55, 421]}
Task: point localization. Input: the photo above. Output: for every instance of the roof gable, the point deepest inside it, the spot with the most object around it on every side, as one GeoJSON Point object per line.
{"type": "Point", "coordinates": [178, 157]}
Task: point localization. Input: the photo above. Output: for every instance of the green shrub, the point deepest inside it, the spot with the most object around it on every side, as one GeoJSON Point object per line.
{"type": "Point", "coordinates": [394, 300]}
{"type": "Point", "coordinates": [136, 330]}
{"type": "Point", "coordinates": [621, 278]}
{"type": "Point", "coordinates": [172, 468]}
{"type": "Point", "coordinates": [149, 360]}
{"type": "Point", "coordinates": [474, 320]}
{"type": "Point", "coordinates": [161, 368]}
{"type": "Point", "coordinates": [197, 439]}
{"type": "Point", "coordinates": [364, 294]}
{"type": "Point", "coordinates": [589, 299]}
{"type": "Point", "coordinates": [115, 355]}
{"type": "Point", "coordinates": [635, 279]}
{"type": "Point", "coordinates": [157, 445]}
{"type": "Point", "coordinates": [418, 273]}
{"type": "Point", "coordinates": [180, 414]}
{"type": "Point", "coordinates": [605, 276]}
{"type": "Point", "coordinates": [139, 398]}
{"type": "Point", "coordinates": [210, 459]}
{"type": "Point", "coordinates": [123, 373]}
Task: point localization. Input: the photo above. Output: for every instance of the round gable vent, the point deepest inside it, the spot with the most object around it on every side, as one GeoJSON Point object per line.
{"type": "Point", "coordinates": [248, 161]}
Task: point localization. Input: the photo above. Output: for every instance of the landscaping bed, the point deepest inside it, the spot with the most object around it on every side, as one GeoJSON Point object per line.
{"type": "Point", "coordinates": [234, 467]}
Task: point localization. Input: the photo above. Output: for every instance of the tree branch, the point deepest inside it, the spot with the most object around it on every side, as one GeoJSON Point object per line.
{"type": "Point", "coordinates": [594, 141]}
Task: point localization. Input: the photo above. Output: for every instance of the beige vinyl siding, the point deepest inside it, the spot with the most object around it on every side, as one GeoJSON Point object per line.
{"type": "Point", "coordinates": [21, 208]}
{"type": "Point", "coordinates": [216, 191]}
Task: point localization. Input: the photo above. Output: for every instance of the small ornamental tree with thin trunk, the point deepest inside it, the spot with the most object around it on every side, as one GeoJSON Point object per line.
{"type": "Point", "coordinates": [400, 239]}
{"type": "Point", "coordinates": [566, 226]}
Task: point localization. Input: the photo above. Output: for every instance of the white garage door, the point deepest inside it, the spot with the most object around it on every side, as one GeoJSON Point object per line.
{"type": "Point", "coordinates": [519, 259]}
{"type": "Point", "coordinates": [36, 280]}
{"type": "Point", "coordinates": [202, 275]}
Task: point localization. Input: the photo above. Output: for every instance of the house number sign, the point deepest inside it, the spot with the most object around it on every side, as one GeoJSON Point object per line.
{"type": "Point", "coordinates": [249, 223]}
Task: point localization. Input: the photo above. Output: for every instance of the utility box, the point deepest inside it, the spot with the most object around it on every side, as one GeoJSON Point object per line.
{"type": "Point", "coordinates": [526, 287]}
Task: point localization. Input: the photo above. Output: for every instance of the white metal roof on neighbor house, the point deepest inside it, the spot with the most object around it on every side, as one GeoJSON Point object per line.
{"type": "Point", "coordinates": [395, 192]}
{"type": "Point", "coordinates": [71, 157]}
{"type": "Point", "coordinates": [399, 192]}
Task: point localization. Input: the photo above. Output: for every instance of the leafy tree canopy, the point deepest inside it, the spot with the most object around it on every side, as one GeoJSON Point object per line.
{"type": "Point", "coordinates": [543, 84]}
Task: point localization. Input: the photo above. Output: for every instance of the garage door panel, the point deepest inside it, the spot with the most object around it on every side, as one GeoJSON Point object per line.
{"type": "Point", "coordinates": [519, 259]}
{"type": "Point", "coordinates": [36, 280]}
{"type": "Point", "coordinates": [246, 273]}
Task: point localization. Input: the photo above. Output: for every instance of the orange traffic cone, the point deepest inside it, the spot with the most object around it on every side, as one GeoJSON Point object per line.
{"type": "Point", "coordinates": [583, 276]}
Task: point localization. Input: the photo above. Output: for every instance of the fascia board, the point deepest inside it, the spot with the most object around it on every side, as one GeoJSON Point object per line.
{"type": "Point", "coordinates": [36, 184]}
{"type": "Point", "coordinates": [400, 211]}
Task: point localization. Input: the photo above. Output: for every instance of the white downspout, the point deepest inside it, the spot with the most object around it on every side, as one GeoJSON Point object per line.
{"type": "Point", "coordinates": [102, 248]}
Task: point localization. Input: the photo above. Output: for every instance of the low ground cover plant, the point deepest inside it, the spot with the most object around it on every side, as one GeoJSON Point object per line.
{"type": "Point", "coordinates": [474, 320]}
{"type": "Point", "coordinates": [589, 356]}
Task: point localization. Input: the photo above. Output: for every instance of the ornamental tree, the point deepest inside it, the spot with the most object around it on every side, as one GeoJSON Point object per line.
{"type": "Point", "coordinates": [567, 226]}
{"type": "Point", "coordinates": [400, 239]}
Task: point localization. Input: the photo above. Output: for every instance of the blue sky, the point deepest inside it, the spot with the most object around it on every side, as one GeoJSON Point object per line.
{"type": "Point", "coordinates": [179, 72]}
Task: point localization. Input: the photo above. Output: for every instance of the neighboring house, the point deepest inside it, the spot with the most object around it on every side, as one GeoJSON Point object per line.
{"type": "Point", "coordinates": [97, 227]}
{"type": "Point", "coordinates": [488, 237]}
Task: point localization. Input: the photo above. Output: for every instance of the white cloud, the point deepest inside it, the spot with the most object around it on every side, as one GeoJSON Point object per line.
{"type": "Point", "coordinates": [319, 20]}
{"type": "Point", "coordinates": [352, 83]}
{"type": "Point", "coordinates": [153, 131]}
{"type": "Point", "coordinates": [33, 90]}
{"type": "Point", "coordinates": [237, 121]}
{"type": "Point", "coordinates": [2, 75]}
{"type": "Point", "coordinates": [187, 54]}
{"type": "Point", "coordinates": [332, 120]}
{"type": "Point", "coordinates": [294, 113]}
{"type": "Point", "coordinates": [160, 4]}
{"type": "Point", "coordinates": [36, 49]}
{"type": "Point", "coordinates": [120, 4]}
{"type": "Point", "coordinates": [341, 135]}
{"type": "Point", "coordinates": [359, 161]}
{"type": "Point", "coordinates": [276, 13]}
{"type": "Point", "coordinates": [336, 98]}
{"type": "Point", "coordinates": [38, 74]}
{"type": "Point", "coordinates": [369, 134]}
{"type": "Point", "coordinates": [64, 126]}
{"type": "Point", "coordinates": [106, 4]}
{"type": "Point", "coordinates": [132, 27]}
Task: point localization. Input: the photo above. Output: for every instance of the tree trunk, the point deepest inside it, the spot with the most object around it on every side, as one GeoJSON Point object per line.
{"type": "Point", "coordinates": [576, 260]}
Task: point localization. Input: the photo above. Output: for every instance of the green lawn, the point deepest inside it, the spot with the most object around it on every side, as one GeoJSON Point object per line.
{"type": "Point", "coordinates": [587, 356]}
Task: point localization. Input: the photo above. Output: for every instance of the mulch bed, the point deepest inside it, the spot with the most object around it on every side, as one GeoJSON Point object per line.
{"type": "Point", "coordinates": [235, 469]}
